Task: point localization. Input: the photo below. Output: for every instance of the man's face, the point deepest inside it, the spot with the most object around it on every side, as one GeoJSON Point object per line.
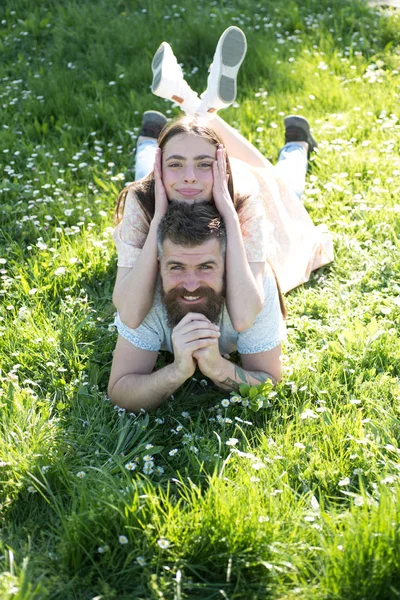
{"type": "Point", "coordinates": [192, 280]}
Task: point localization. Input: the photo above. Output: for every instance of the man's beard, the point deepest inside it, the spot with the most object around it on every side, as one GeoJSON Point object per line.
{"type": "Point", "coordinates": [176, 310]}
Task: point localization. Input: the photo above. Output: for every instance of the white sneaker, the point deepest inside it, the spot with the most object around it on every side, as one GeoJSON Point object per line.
{"type": "Point", "coordinates": [221, 83]}
{"type": "Point", "coordinates": [168, 81]}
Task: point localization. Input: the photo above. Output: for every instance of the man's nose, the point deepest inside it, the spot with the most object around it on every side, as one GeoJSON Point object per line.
{"type": "Point", "coordinates": [191, 282]}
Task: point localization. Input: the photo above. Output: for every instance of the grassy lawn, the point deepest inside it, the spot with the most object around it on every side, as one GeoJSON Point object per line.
{"type": "Point", "coordinates": [298, 500]}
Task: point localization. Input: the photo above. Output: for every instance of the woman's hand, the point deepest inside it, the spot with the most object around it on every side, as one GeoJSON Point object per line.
{"type": "Point", "coordinates": [222, 198]}
{"type": "Point", "coordinates": [161, 199]}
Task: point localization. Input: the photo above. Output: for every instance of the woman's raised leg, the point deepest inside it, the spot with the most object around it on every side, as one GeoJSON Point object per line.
{"type": "Point", "coordinates": [237, 146]}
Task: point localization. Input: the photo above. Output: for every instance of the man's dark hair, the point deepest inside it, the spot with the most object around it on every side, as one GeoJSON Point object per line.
{"type": "Point", "coordinates": [190, 225]}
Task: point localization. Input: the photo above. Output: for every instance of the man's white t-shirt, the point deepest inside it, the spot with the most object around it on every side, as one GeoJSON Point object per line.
{"type": "Point", "coordinates": [267, 331]}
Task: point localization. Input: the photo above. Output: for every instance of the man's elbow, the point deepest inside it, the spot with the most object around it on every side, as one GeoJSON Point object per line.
{"type": "Point", "coordinates": [110, 392]}
{"type": "Point", "coordinates": [115, 394]}
{"type": "Point", "coordinates": [276, 375]}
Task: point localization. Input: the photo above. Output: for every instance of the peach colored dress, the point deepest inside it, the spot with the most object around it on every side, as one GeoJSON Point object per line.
{"type": "Point", "coordinates": [274, 223]}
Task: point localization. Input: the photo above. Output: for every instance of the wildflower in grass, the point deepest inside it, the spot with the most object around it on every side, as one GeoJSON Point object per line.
{"type": "Point", "coordinates": [390, 447]}
{"type": "Point", "coordinates": [263, 519]}
{"type": "Point", "coordinates": [232, 442]}
{"type": "Point", "coordinates": [148, 468]}
{"type": "Point", "coordinates": [60, 271]}
{"type": "Point", "coordinates": [81, 474]}
{"type": "Point", "coordinates": [148, 458]}
{"type": "Point", "coordinates": [159, 470]}
{"type": "Point", "coordinates": [287, 370]}
{"type": "Point", "coordinates": [314, 504]}
{"type": "Point", "coordinates": [159, 422]}
{"type": "Point", "coordinates": [185, 415]}
{"type": "Point", "coordinates": [355, 401]}
{"type": "Point", "coordinates": [344, 482]}
{"type": "Point", "coordinates": [299, 445]}
{"type": "Point", "coordinates": [141, 561]}
{"type": "Point", "coordinates": [257, 466]}
{"type": "Point", "coordinates": [148, 446]}
{"type": "Point", "coordinates": [254, 479]}
{"type": "Point", "coordinates": [130, 466]}
{"type": "Point", "coordinates": [308, 414]}
{"type": "Point", "coordinates": [235, 399]}
{"type": "Point", "coordinates": [103, 549]}
{"type": "Point", "coordinates": [163, 543]}
{"type": "Point", "coordinates": [389, 479]}
{"type": "Point", "coordinates": [194, 449]}
{"type": "Point", "coordinates": [245, 403]}
{"type": "Point", "coordinates": [31, 489]}
{"type": "Point", "coordinates": [173, 452]}
{"type": "Point", "coordinates": [123, 539]}
{"type": "Point", "coordinates": [225, 402]}
{"type": "Point", "coordinates": [358, 501]}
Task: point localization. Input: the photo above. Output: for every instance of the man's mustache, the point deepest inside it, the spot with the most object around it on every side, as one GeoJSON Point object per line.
{"type": "Point", "coordinates": [202, 292]}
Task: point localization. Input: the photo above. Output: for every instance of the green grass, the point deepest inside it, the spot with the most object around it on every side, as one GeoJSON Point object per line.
{"type": "Point", "coordinates": [306, 504]}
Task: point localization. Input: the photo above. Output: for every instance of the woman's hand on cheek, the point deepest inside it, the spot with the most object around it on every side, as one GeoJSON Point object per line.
{"type": "Point", "coordinates": [161, 199]}
{"type": "Point", "coordinates": [222, 198]}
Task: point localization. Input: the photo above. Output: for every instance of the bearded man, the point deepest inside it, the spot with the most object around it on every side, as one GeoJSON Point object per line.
{"type": "Point", "coordinates": [189, 318]}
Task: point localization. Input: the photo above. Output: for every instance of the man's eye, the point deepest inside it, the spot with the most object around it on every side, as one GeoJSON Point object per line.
{"type": "Point", "coordinates": [205, 165]}
{"type": "Point", "coordinates": [175, 268]}
{"type": "Point", "coordinates": [206, 267]}
{"type": "Point", "coordinates": [174, 165]}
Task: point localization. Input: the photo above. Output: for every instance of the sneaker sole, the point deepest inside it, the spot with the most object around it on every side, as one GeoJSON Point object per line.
{"type": "Point", "coordinates": [233, 51]}
{"type": "Point", "coordinates": [156, 66]}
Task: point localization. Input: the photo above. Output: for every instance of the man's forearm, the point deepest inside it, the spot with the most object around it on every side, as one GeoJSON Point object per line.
{"type": "Point", "coordinates": [136, 391]}
{"type": "Point", "coordinates": [231, 376]}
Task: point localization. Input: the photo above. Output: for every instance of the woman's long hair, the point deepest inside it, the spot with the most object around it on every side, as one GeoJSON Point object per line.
{"type": "Point", "coordinates": [145, 188]}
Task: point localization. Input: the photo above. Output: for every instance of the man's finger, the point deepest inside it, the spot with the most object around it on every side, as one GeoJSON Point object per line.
{"type": "Point", "coordinates": [198, 344]}
{"type": "Point", "coordinates": [192, 316]}
{"type": "Point", "coordinates": [196, 326]}
{"type": "Point", "coordinates": [199, 334]}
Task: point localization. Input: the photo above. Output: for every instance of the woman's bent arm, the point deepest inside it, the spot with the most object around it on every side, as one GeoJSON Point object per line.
{"type": "Point", "coordinates": [134, 288]}
{"type": "Point", "coordinates": [244, 289]}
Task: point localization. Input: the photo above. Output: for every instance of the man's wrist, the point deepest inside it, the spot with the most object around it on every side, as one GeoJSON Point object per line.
{"type": "Point", "coordinates": [221, 373]}
{"type": "Point", "coordinates": [175, 375]}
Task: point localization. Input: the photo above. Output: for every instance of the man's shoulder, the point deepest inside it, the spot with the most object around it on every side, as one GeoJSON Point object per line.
{"type": "Point", "coordinates": [153, 333]}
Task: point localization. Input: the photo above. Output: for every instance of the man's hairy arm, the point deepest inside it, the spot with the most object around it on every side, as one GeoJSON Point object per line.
{"type": "Point", "coordinates": [256, 368]}
{"type": "Point", "coordinates": [239, 375]}
{"type": "Point", "coordinates": [135, 391]}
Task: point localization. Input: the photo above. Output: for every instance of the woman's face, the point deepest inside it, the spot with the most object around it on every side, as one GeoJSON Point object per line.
{"type": "Point", "coordinates": [187, 168]}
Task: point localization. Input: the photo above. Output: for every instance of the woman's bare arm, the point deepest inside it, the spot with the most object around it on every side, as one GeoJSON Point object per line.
{"type": "Point", "coordinates": [244, 290]}
{"type": "Point", "coordinates": [134, 288]}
